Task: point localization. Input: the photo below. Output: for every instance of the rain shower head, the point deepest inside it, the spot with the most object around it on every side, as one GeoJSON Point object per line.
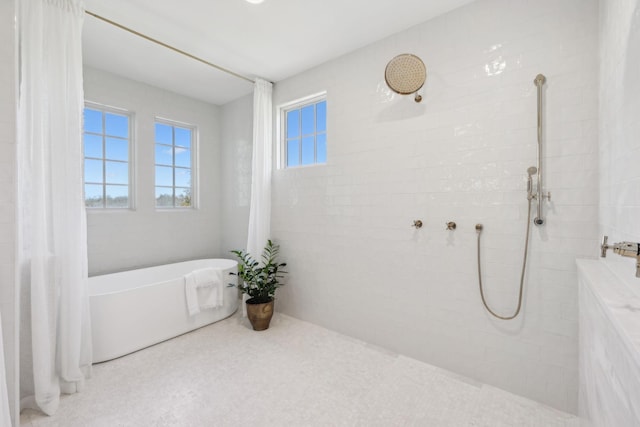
{"type": "Point", "coordinates": [405, 74]}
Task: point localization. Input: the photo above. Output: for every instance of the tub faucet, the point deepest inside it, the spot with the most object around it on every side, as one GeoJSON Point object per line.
{"type": "Point", "coordinates": [624, 249]}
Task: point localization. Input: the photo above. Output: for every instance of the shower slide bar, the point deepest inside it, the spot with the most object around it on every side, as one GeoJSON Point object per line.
{"type": "Point", "coordinates": [539, 196]}
{"type": "Point", "coordinates": [175, 49]}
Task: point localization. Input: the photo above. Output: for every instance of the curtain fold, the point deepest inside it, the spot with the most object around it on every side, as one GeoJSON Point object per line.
{"type": "Point", "coordinates": [52, 233]}
{"type": "Point", "coordinates": [5, 414]}
{"type": "Point", "coordinates": [260, 209]}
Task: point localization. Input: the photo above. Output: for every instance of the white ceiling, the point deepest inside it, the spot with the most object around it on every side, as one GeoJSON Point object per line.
{"type": "Point", "coordinates": [273, 40]}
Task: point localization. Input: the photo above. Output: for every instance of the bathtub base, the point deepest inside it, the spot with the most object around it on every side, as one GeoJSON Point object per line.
{"type": "Point", "coordinates": [131, 319]}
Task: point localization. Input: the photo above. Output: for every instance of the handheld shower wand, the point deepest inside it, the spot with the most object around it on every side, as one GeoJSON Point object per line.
{"type": "Point", "coordinates": [530, 172]}
{"type": "Point", "coordinates": [539, 196]}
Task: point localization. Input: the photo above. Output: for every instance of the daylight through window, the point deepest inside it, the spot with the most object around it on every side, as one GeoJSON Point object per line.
{"type": "Point", "coordinates": [305, 132]}
{"type": "Point", "coordinates": [174, 165]}
{"type": "Point", "coordinates": [107, 140]}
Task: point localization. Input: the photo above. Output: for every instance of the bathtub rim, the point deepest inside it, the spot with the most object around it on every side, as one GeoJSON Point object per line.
{"type": "Point", "coordinates": [233, 263]}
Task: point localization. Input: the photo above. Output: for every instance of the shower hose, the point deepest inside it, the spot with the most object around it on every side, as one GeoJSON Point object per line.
{"type": "Point", "coordinates": [524, 266]}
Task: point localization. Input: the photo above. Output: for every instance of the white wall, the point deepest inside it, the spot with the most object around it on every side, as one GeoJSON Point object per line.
{"type": "Point", "coordinates": [461, 155]}
{"type": "Point", "coordinates": [619, 129]}
{"type": "Point", "coordinates": [237, 147]}
{"type": "Point", "coordinates": [8, 104]}
{"type": "Point", "coordinates": [146, 236]}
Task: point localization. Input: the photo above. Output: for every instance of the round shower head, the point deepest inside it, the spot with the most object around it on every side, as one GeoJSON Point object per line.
{"type": "Point", "coordinates": [532, 170]}
{"type": "Point", "coordinates": [405, 74]}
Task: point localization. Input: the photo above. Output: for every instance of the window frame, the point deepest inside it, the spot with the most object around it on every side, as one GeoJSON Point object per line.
{"type": "Point", "coordinates": [131, 185]}
{"type": "Point", "coordinates": [193, 164]}
{"type": "Point", "coordinates": [285, 108]}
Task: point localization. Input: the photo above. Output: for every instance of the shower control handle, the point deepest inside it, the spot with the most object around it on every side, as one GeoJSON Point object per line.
{"type": "Point", "coordinates": [604, 247]}
{"type": "Point", "coordinates": [627, 249]}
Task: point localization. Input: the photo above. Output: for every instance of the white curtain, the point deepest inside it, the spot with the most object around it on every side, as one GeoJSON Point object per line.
{"type": "Point", "coordinates": [5, 415]}
{"type": "Point", "coordinates": [52, 235]}
{"type": "Point", "coordinates": [260, 209]}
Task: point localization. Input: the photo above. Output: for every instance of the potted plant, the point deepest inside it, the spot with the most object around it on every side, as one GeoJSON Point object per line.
{"type": "Point", "coordinates": [260, 281]}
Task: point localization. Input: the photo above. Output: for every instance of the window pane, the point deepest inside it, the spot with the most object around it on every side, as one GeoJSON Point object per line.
{"type": "Point", "coordinates": [164, 197]}
{"type": "Point", "coordinates": [93, 195]}
{"type": "Point", "coordinates": [116, 125]}
{"type": "Point", "coordinates": [93, 146]}
{"type": "Point", "coordinates": [92, 120]}
{"type": "Point", "coordinates": [163, 154]}
{"type": "Point", "coordinates": [164, 134]}
{"type": "Point", "coordinates": [164, 176]}
{"type": "Point", "coordinates": [106, 150]}
{"type": "Point", "coordinates": [183, 157]}
{"type": "Point", "coordinates": [173, 158]}
{"type": "Point", "coordinates": [117, 149]}
{"type": "Point", "coordinates": [293, 124]}
{"type": "Point", "coordinates": [321, 116]}
{"type": "Point", "coordinates": [321, 148]}
{"type": "Point", "coordinates": [183, 177]}
{"type": "Point", "coordinates": [117, 172]}
{"type": "Point", "coordinates": [308, 124]}
{"type": "Point", "coordinates": [93, 171]}
{"type": "Point", "coordinates": [183, 197]}
{"type": "Point", "coordinates": [293, 152]}
{"type": "Point", "coordinates": [117, 196]}
{"type": "Point", "coordinates": [183, 137]}
{"type": "Point", "coordinates": [308, 150]}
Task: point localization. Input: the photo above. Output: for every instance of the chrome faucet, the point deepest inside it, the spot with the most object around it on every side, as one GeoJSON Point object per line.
{"type": "Point", "coordinates": [628, 249]}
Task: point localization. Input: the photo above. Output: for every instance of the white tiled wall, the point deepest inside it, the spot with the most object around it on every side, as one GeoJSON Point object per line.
{"type": "Point", "coordinates": [8, 93]}
{"type": "Point", "coordinates": [237, 137]}
{"type": "Point", "coordinates": [619, 129]}
{"type": "Point", "coordinates": [461, 155]}
{"type": "Point", "coordinates": [145, 236]}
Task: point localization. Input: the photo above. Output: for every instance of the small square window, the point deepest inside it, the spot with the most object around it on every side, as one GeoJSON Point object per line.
{"type": "Point", "coordinates": [304, 132]}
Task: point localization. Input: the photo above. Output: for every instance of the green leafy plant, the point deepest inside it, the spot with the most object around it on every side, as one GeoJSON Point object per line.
{"type": "Point", "coordinates": [260, 280]}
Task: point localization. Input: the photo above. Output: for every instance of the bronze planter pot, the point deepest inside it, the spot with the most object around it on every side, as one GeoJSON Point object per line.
{"type": "Point", "coordinates": [259, 314]}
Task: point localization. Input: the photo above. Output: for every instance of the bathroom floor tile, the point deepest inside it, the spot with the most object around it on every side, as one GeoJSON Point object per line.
{"type": "Point", "coordinates": [293, 374]}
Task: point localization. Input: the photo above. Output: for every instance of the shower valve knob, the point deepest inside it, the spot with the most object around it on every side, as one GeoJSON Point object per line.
{"type": "Point", "coordinates": [417, 224]}
{"type": "Point", "coordinates": [451, 225]}
{"type": "Point", "coordinates": [604, 247]}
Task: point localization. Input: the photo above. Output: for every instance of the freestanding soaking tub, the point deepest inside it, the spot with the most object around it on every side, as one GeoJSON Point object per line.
{"type": "Point", "coordinates": [134, 309]}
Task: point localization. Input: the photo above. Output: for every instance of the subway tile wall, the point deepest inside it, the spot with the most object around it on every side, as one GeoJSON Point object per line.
{"type": "Point", "coordinates": [619, 129]}
{"type": "Point", "coordinates": [237, 151]}
{"type": "Point", "coordinates": [356, 264]}
{"type": "Point", "coordinates": [8, 106]}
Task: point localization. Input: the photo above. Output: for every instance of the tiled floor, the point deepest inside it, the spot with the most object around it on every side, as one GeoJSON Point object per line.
{"type": "Point", "coordinates": [294, 374]}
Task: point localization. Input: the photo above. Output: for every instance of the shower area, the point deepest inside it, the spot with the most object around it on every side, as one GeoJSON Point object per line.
{"type": "Point", "coordinates": [466, 153]}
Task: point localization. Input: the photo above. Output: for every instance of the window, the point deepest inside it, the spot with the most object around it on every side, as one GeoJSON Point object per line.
{"type": "Point", "coordinates": [304, 132]}
{"type": "Point", "coordinates": [174, 165]}
{"type": "Point", "coordinates": [107, 144]}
